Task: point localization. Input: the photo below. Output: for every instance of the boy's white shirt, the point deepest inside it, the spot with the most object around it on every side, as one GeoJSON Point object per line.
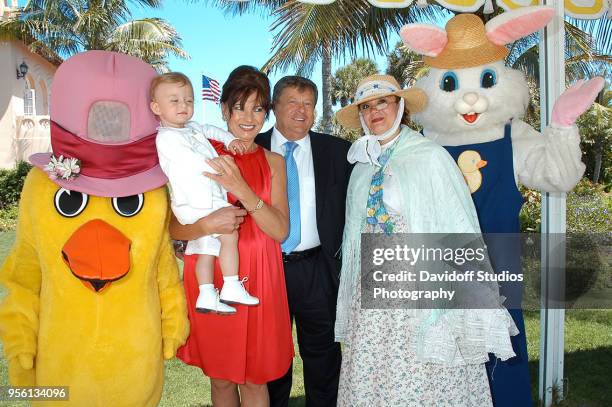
{"type": "Point", "coordinates": [182, 156]}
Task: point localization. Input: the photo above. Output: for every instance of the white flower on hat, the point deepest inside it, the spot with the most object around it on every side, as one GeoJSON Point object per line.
{"type": "Point", "coordinates": [64, 168]}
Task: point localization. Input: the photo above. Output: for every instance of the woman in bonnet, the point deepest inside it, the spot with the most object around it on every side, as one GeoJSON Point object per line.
{"type": "Point", "coordinates": [405, 183]}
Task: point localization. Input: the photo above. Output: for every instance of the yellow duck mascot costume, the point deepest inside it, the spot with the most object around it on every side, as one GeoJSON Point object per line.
{"type": "Point", "coordinates": [94, 300]}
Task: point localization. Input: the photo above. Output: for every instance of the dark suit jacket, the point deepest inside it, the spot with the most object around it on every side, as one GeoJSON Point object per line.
{"type": "Point", "coordinates": [332, 172]}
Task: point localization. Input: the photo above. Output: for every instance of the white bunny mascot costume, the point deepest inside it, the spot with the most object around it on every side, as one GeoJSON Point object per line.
{"type": "Point", "coordinates": [474, 110]}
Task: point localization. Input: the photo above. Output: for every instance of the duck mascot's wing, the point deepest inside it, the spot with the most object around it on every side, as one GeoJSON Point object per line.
{"type": "Point", "coordinates": [21, 276]}
{"type": "Point", "coordinates": [175, 326]}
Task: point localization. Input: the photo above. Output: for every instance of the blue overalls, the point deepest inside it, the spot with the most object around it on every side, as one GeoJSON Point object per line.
{"type": "Point", "coordinates": [498, 202]}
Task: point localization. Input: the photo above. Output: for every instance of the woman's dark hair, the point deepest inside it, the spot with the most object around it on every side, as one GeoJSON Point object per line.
{"type": "Point", "coordinates": [242, 83]}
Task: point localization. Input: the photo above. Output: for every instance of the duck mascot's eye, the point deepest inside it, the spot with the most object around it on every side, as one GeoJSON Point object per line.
{"type": "Point", "coordinates": [70, 203]}
{"type": "Point", "coordinates": [128, 205]}
{"type": "Point", "coordinates": [449, 82]}
{"type": "Point", "coordinates": [488, 79]}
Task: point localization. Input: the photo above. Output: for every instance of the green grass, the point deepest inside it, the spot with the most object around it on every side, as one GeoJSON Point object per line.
{"type": "Point", "coordinates": [588, 356]}
{"type": "Point", "coordinates": [186, 386]}
{"type": "Point", "coordinates": [588, 361]}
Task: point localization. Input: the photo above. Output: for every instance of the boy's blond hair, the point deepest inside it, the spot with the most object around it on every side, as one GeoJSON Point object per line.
{"type": "Point", "coordinates": [169, 77]}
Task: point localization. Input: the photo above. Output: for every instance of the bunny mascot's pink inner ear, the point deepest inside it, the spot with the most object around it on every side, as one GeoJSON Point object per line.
{"type": "Point", "coordinates": [424, 39]}
{"type": "Point", "coordinates": [512, 25]}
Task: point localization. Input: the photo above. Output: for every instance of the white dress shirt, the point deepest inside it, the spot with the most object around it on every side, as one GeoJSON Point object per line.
{"type": "Point", "coordinates": [182, 156]}
{"type": "Point", "coordinates": [308, 207]}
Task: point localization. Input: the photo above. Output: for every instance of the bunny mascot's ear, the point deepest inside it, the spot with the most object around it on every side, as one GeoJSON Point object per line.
{"type": "Point", "coordinates": [424, 39]}
{"type": "Point", "coordinates": [512, 25]}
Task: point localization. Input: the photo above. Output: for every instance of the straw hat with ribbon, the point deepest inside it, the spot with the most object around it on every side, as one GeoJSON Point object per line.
{"type": "Point", "coordinates": [467, 46]}
{"type": "Point", "coordinates": [466, 42]}
{"type": "Point", "coordinates": [375, 87]}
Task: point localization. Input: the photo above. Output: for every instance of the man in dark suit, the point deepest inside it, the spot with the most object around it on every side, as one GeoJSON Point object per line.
{"type": "Point", "coordinates": [317, 179]}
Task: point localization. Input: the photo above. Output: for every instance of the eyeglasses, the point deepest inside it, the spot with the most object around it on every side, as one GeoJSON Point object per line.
{"type": "Point", "coordinates": [379, 104]}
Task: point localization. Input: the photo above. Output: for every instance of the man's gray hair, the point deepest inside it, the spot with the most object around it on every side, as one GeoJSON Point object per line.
{"type": "Point", "coordinates": [293, 81]}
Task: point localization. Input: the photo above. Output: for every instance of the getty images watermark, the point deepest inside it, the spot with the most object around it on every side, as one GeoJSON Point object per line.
{"type": "Point", "coordinates": [467, 271]}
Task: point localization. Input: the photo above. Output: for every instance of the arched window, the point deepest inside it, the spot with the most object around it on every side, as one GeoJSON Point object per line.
{"type": "Point", "coordinates": [29, 97]}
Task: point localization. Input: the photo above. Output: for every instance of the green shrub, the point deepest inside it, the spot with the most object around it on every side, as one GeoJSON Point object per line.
{"type": "Point", "coordinates": [586, 188]}
{"type": "Point", "coordinates": [11, 183]}
{"type": "Point", "coordinates": [8, 218]}
{"type": "Point", "coordinates": [589, 209]}
{"type": "Point", "coordinates": [588, 221]}
{"type": "Point", "coordinates": [530, 213]}
{"type": "Point", "coordinates": [588, 215]}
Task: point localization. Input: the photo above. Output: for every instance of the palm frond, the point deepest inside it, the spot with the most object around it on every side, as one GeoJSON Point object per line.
{"type": "Point", "coordinates": [405, 65]}
{"type": "Point", "coordinates": [151, 39]}
{"type": "Point", "coordinates": [346, 26]}
{"type": "Point", "coordinates": [520, 46]}
{"type": "Point", "coordinates": [40, 31]}
{"type": "Point", "coordinates": [146, 3]}
{"type": "Point", "coordinates": [65, 27]}
{"type": "Point", "coordinates": [237, 8]}
{"type": "Point", "coordinates": [600, 30]}
{"type": "Point", "coordinates": [582, 54]}
{"type": "Point", "coordinates": [577, 41]}
{"type": "Point", "coordinates": [527, 61]}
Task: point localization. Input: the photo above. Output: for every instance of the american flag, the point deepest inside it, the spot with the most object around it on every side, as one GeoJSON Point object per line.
{"type": "Point", "coordinates": [210, 89]}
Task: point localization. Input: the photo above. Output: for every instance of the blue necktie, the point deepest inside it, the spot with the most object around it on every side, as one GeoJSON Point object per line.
{"type": "Point", "coordinates": [293, 195]}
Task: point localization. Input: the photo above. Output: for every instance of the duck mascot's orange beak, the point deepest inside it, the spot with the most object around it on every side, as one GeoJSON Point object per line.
{"type": "Point", "coordinates": [97, 254]}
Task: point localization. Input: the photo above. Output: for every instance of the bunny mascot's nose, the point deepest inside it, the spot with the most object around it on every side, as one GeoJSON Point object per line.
{"type": "Point", "coordinates": [470, 98]}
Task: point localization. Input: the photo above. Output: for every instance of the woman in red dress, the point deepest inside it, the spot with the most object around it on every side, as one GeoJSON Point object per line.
{"type": "Point", "coordinates": [242, 352]}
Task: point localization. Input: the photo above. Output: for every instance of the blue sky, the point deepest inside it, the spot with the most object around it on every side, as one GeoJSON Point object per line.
{"type": "Point", "coordinates": [218, 43]}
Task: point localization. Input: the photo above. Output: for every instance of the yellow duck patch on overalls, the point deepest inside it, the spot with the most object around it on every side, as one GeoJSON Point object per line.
{"type": "Point", "coordinates": [470, 163]}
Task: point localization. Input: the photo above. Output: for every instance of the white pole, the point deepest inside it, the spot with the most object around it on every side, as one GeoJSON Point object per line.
{"type": "Point", "coordinates": [203, 111]}
{"type": "Point", "coordinates": [201, 98]}
{"type": "Point", "coordinates": [552, 321]}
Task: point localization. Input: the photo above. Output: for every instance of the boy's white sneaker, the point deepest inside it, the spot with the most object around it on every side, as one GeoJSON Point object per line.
{"type": "Point", "coordinates": [208, 301]}
{"type": "Point", "coordinates": [233, 292]}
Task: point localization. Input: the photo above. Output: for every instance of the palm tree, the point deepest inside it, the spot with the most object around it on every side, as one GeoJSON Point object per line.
{"type": "Point", "coordinates": [588, 50]}
{"type": "Point", "coordinates": [405, 65]}
{"type": "Point", "coordinates": [347, 78]}
{"type": "Point", "coordinates": [326, 66]}
{"type": "Point", "coordinates": [65, 27]}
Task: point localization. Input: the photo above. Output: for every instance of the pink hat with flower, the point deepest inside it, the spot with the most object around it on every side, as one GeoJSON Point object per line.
{"type": "Point", "coordinates": [102, 130]}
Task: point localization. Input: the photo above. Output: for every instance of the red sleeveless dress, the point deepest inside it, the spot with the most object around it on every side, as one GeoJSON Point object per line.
{"type": "Point", "coordinates": [255, 344]}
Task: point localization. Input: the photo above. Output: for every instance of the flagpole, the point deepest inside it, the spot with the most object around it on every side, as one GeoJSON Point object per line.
{"type": "Point", "coordinates": [202, 97]}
